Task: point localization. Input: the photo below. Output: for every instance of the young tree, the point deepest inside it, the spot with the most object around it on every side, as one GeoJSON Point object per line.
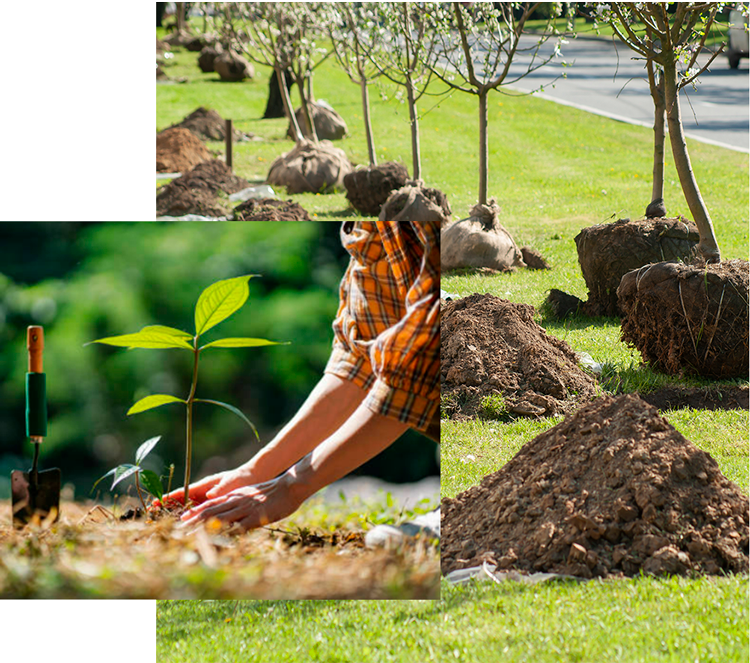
{"type": "Point", "coordinates": [401, 45]}
{"type": "Point", "coordinates": [347, 28]}
{"type": "Point", "coordinates": [489, 36]}
{"type": "Point", "coordinates": [671, 43]}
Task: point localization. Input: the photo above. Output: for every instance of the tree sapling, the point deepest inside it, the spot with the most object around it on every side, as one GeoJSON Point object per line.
{"type": "Point", "coordinates": [215, 304]}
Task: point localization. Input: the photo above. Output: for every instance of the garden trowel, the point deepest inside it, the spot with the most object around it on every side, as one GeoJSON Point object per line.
{"type": "Point", "coordinates": [36, 494]}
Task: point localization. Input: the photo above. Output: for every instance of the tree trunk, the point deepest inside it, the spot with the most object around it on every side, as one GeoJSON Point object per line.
{"type": "Point", "coordinates": [288, 104]}
{"type": "Point", "coordinates": [657, 190]}
{"type": "Point", "coordinates": [180, 9]}
{"type": "Point", "coordinates": [414, 120]}
{"type": "Point", "coordinates": [368, 124]}
{"type": "Point", "coordinates": [707, 246]}
{"type": "Point", "coordinates": [483, 148]}
{"type": "Point", "coordinates": [275, 103]}
{"type": "Point", "coordinates": [306, 111]}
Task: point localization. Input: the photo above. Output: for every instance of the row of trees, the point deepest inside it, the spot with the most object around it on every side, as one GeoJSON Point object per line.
{"type": "Point", "coordinates": [470, 47]}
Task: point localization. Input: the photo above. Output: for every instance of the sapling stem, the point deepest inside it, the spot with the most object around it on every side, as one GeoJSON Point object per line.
{"type": "Point", "coordinates": [140, 494]}
{"type": "Point", "coordinates": [189, 432]}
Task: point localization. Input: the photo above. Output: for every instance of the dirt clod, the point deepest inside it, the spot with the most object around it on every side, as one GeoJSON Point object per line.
{"type": "Point", "coordinates": [493, 348]}
{"type": "Point", "coordinates": [613, 490]}
{"type": "Point", "coordinates": [207, 124]}
{"type": "Point", "coordinates": [178, 150]}
{"type": "Point", "coordinates": [689, 318]}
{"type": "Point", "coordinates": [368, 188]}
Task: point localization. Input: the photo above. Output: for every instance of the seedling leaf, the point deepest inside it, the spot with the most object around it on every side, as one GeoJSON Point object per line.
{"type": "Point", "coordinates": [146, 338]}
{"type": "Point", "coordinates": [101, 478]}
{"type": "Point", "coordinates": [171, 331]}
{"type": "Point", "coordinates": [219, 301]}
{"type": "Point", "coordinates": [240, 343]}
{"type": "Point", "coordinates": [123, 472]}
{"type": "Point", "coordinates": [152, 483]}
{"type": "Point", "coordinates": [231, 408]}
{"type": "Point", "coordinates": [145, 449]}
{"type": "Point", "coordinates": [150, 402]}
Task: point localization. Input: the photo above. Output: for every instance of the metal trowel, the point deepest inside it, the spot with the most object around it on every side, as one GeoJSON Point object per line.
{"type": "Point", "coordinates": [36, 494]}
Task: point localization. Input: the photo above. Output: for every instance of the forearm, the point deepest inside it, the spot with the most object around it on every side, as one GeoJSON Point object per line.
{"type": "Point", "coordinates": [364, 435]}
{"type": "Point", "coordinates": [329, 405]}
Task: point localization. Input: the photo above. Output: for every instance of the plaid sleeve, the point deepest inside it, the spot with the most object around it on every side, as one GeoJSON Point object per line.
{"type": "Point", "coordinates": [387, 330]}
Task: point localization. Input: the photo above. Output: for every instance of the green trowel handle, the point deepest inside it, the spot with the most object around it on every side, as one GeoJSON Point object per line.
{"type": "Point", "coordinates": [36, 405]}
{"type": "Point", "coordinates": [36, 385]}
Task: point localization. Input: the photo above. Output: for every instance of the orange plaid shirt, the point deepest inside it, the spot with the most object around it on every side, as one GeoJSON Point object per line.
{"type": "Point", "coordinates": [387, 329]}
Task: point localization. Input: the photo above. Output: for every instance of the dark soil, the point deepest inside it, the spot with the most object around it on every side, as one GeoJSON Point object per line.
{"type": "Point", "coordinates": [178, 150]}
{"type": "Point", "coordinates": [398, 200]}
{"type": "Point", "coordinates": [614, 490]}
{"type": "Point", "coordinates": [207, 124]}
{"type": "Point", "coordinates": [368, 188]}
{"type": "Point", "coordinates": [689, 319]}
{"type": "Point", "coordinates": [608, 251]}
{"type": "Point", "coordinates": [560, 304]}
{"type": "Point", "coordinates": [490, 346]}
{"type": "Point", "coordinates": [724, 397]}
{"type": "Point", "coordinates": [534, 259]}
{"type": "Point", "coordinates": [196, 191]}
{"type": "Point", "coordinates": [270, 209]}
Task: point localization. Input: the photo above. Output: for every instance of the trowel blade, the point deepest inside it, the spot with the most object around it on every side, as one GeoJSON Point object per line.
{"type": "Point", "coordinates": [35, 501]}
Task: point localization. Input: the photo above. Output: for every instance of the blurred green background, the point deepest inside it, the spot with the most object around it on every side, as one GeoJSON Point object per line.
{"type": "Point", "coordinates": [84, 281]}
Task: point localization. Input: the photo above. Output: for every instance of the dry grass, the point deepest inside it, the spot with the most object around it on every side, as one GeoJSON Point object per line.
{"type": "Point", "coordinates": [90, 553]}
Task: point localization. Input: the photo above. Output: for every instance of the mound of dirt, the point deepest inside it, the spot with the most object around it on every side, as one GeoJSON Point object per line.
{"type": "Point", "coordinates": [611, 491]}
{"type": "Point", "coordinates": [196, 191]}
{"type": "Point", "coordinates": [492, 347]}
{"type": "Point", "coordinates": [178, 150]}
{"type": "Point", "coordinates": [534, 259]}
{"type": "Point", "coordinates": [270, 209]}
{"type": "Point", "coordinates": [310, 168]}
{"type": "Point", "coordinates": [416, 202]}
{"type": "Point", "coordinates": [207, 124]}
{"type": "Point", "coordinates": [368, 188]}
{"type": "Point", "coordinates": [607, 252]}
{"type": "Point", "coordinates": [689, 318]}
{"type": "Point", "coordinates": [232, 67]}
{"type": "Point", "coordinates": [479, 241]}
{"type": "Point", "coordinates": [719, 397]}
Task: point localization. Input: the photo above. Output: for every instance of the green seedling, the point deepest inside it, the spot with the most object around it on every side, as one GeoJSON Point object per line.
{"type": "Point", "coordinates": [215, 304]}
{"type": "Point", "coordinates": [149, 479]}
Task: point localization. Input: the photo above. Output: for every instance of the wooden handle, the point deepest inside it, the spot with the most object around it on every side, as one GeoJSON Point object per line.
{"type": "Point", "coordinates": [35, 344]}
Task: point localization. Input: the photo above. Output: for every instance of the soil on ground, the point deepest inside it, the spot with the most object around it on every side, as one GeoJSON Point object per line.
{"type": "Point", "coordinates": [614, 490]}
{"type": "Point", "coordinates": [425, 204]}
{"type": "Point", "coordinates": [493, 348]}
{"type": "Point", "coordinates": [207, 124]}
{"type": "Point", "coordinates": [178, 150]}
{"type": "Point", "coordinates": [270, 209]}
{"type": "Point", "coordinates": [720, 397]}
{"type": "Point", "coordinates": [198, 191]}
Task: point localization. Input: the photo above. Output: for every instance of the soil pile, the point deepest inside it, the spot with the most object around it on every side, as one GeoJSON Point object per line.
{"type": "Point", "coordinates": [310, 168]}
{"type": "Point", "coordinates": [492, 347]}
{"type": "Point", "coordinates": [329, 125]}
{"type": "Point", "coordinates": [611, 491]}
{"type": "Point", "coordinates": [479, 241]}
{"type": "Point", "coordinates": [607, 252]}
{"type": "Point", "coordinates": [416, 202]}
{"type": "Point", "coordinates": [270, 209]}
{"type": "Point", "coordinates": [197, 191]}
{"type": "Point", "coordinates": [207, 124]}
{"type": "Point", "coordinates": [689, 318]}
{"type": "Point", "coordinates": [178, 150]}
{"type": "Point", "coordinates": [368, 188]}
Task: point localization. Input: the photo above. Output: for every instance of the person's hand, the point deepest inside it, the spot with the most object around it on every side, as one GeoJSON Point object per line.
{"type": "Point", "coordinates": [249, 506]}
{"type": "Point", "coordinates": [212, 486]}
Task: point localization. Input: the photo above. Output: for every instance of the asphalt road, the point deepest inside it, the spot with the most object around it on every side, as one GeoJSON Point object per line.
{"type": "Point", "coordinates": [604, 79]}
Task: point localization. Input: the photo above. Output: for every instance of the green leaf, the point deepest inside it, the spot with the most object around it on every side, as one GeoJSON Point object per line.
{"type": "Point", "coordinates": [241, 343]}
{"type": "Point", "coordinates": [219, 301]}
{"type": "Point", "coordinates": [145, 449]}
{"type": "Point", "coordinates": [146, 338]}
{"type": "Point", "coordinates": [104, 476]}
{"type": "Point", "coordinates": [231, 408]}
{"type": "Point", "coordinates": [150, 402]}
{"type": "Point", "coordinates": [123, 472]}
{"type": "Point", "coordinates": [152, 483]}
{"type": "Point", "coordinates": [171, 331]}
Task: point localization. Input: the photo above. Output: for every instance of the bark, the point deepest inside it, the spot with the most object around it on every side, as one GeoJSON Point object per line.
{"type": "Point", "coordinates": [483, 148]}
{"type": "Point", "coordinates": [368, 123]}
{"type": "Point", "coordinates": [657, 93]}
{"type": "Point", "coordinates": [414, 120]}
{"type": "Point", "coordinates": [180, 9]}
{"type": "Point", "coordinates": [707, 246]}
{"type": "Point", "coordinates": [288, 104]}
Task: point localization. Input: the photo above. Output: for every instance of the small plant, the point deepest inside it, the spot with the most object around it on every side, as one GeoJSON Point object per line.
{"type": "Point", "coordinates": [215, 304]}
{"type": "Point", "coordinates": [150, 480]}
{"type": "Point", "coordinates": [494, 407]}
